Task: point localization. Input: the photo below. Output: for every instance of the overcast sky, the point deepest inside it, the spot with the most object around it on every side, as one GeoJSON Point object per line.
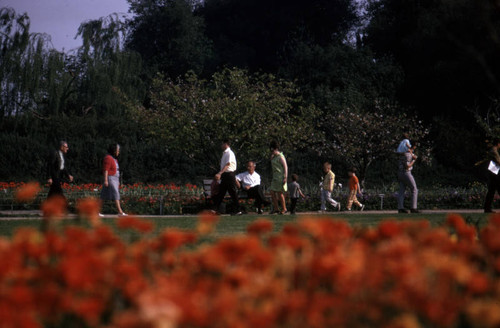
{"type": "Point", "coordinates": [61, 18]}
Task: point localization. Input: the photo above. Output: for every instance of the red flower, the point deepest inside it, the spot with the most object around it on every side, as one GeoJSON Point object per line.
{"type": "Point", "coordinates": [456, 221]}
{"type": "Point", "coordinates": [132, 222]}
{"type": "Point", "coordinates": [54, 207]}
{"type": "Point", "coordinates": [260, 226]}
{"type": "Point", "coordinates": [27, 192]}
{"type": "Point", "coordinates": [89, 208]}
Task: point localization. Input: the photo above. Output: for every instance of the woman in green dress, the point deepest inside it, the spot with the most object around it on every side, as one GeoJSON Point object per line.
{"type": "Point", "coordinates": [280, 175]}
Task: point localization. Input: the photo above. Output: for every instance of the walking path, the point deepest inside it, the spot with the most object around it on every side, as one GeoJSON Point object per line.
{"type": "Point", "coordinates": [37, 215]}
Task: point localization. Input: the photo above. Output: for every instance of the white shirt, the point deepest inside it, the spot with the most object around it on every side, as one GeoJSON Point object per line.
{"type": "Point", "coordinates": [62, 160]}
{"type": "Point", "coordinates": [247, 179]}
{"type": "Point", "coordinates": [228, 157]}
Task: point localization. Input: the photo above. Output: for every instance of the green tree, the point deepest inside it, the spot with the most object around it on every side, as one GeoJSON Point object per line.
{"type": "Point", "coordinates": [339, 75]}
{"type": "Point", "coordinates": [168, 36]}
{"type": "Point", "coordinates": [108, 75]}
{"type": "Point", "coordinates": [448, 51]}
{"type": "Point", "coordinates": [254, 34]}
{"type": "Point", "coordinates": [361, 137]}
{"type": "Point", "coordinates": [32, 76]}
{"type": "Point", "coordinates": [192, 116]}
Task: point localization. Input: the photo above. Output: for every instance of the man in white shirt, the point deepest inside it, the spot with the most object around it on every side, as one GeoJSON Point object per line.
{"type": "Point", "coordinates": [250, 182]}
{"type": "Point", "coordinates": [227, 178]}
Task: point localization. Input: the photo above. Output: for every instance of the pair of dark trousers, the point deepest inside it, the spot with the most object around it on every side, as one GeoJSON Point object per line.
{"type": "Point", "coordinates": [55, 188]}
{"type": "Point", "coordinates": [293, 204]}
{"type": "Point", "coordinates": [228, 184]}
{"type": "Point", "coordinates": [493, 186]}
{"type": "Point", "coordinates": [257, 193]}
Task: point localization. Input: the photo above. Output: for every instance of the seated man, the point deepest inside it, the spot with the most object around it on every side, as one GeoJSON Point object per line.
{"type": "Point", "coordinates": [250, 182]}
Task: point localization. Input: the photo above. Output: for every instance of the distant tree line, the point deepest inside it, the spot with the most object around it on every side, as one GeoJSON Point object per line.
{"type": "Point", "coordinates": [336, 80]}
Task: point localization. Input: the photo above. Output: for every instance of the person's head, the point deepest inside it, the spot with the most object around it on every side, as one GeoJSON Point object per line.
{"type": "Point", "coordinates": [225, 144]}
{"type": "Point", "coordinates": [496, 142]}
{"type": "Point", "coordinates": [327, 166]}
{"type": "Point", "coordinates": [63, 146]}
{"type": "Point", "coordinates": [352, 171]}
{"type": "Point", "coordinates": [251, 166]}
{"type": "Point", "coordinates": [295, 177]}
{"type": "Point", "coordinates": [114, 150]}
{"type": "Point", "coordinates": [406, 136]}
{"type": "Point", "coordinates": [274, 146]}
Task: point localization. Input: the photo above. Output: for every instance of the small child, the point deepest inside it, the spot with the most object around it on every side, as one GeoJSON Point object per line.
{"type": "Point", "coordinates": [404, 145]}
{"type": "Point", "coordinates": [353, 190]}
{"type": "Point", "coordinates": [295, 192]}
{"type": "Point", "coordinates": [326, 191]}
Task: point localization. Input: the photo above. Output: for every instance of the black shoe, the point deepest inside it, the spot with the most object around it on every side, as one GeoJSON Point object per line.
{"type": "Point", "coordinates": [402, 210]}
{"type": "Point", "coordinates": [414, 210]}
{"type": "Point", "coordinates": [259, 211]}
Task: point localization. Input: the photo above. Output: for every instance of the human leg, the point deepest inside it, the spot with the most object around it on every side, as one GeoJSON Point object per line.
{"type": "Point", "coordinates": [230, 180]}
{"type": "Point", "coordinates": [401, 192]}
{"type": "Point", "coordinates": [293, 205]}
{"type": "Point", "coordinates": [283, 202]}
{"type": "Point", "coordinates": [323, 200]}
{"type": "Point", "coordinates": [274, 198]}
{"type": "Point", "coordinates": [118, 207]}
{"type": "Point", "coordinates": [490, 195]}
{"type": "Point", "coordinates": [413, 190]}
{"type": "Point", "coordinates": [329, 198]}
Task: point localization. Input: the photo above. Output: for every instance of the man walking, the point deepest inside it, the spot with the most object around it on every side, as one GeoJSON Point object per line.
{"type": "Point", "coordinates": [405, 178]}
{"type": "Point", "coordinates": [250, 182]}
{"type": "Point", "coordinates": [493, 175]}
{"type": "Point", "coordinates": [227, 178]}
{"type": "Point", "coordinates": [57, 170]}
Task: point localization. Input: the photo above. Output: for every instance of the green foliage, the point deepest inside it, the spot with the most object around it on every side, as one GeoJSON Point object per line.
{"type": "Point", "coordinates": [169, 37]}
{"type": "Point", "coordinates": [362, 137]}
{"type": "Point", "coordinates": [340, 75]}
{"type": "Point", "coordinates": [447, 49]}
{"type": "Point", "coordinates": [192, 116]}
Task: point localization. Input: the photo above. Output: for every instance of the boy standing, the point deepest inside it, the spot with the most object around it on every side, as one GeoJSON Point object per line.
{"type": "Point", "coordinates": [354, 188]}
{"type": "Point", "coordinates": [295, 192]}
{"type": "Point", "coordinates": [326, 191]}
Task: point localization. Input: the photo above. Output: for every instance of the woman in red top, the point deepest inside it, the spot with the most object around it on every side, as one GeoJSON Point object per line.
{"type": "Point", "coordinates": [111, 172]}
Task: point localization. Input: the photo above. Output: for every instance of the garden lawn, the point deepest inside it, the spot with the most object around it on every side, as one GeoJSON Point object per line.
{"type": "Point", "coordinates": [230, 225]}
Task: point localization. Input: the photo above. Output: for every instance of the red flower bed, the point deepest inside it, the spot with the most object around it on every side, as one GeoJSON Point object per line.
{"type": "Point", "coordinates": [315, 273]}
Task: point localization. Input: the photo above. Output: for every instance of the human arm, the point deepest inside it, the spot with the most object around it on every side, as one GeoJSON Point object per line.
{"type": "Point", "coordinates": [224, 169]}
{"type": "Point", "coordinates": [285, 168]}
{"type": "Point", "coordinates": [105, 182]}
{"type": "Point", "coordinates": [301, 193]}
{"type": "Point", "coordinates": [495, 157]}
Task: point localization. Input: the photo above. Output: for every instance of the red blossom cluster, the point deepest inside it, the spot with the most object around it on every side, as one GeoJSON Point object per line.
{"type": "Point", "coordinates": [314, 273]}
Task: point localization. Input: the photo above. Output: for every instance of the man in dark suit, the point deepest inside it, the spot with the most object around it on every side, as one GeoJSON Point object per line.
{"type": "Point", "coordinates": [57, 171]}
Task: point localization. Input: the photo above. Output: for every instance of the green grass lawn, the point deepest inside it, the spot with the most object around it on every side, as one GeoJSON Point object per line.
{"type": "Point", "coordinates": [229, 225]}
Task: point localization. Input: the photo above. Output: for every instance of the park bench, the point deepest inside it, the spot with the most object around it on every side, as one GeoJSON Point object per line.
{"type": "Point", "coordinates": [207, 192]}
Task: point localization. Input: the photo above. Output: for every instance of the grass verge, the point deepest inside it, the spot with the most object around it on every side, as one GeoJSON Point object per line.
{"type": "Point", "coordinates": [230, 225]}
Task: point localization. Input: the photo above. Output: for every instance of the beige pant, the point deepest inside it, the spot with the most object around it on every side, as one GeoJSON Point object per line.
{"type": "Point", "coordinates": [352, 199]}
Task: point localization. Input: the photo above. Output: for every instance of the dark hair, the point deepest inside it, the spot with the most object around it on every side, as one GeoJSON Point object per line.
{"type": "Point", "coordinates": [352, 170]}
{"type": "Point", "coordinates": [113, 148]}
{"type": "Point", "coordinates": [274, 145]}
{"type": "Point", "coordinates": [226, 141]}
{"type": "Point", "coordinates": [62, 143]}
{"type": "Point", "coordinates": [295, 177]}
